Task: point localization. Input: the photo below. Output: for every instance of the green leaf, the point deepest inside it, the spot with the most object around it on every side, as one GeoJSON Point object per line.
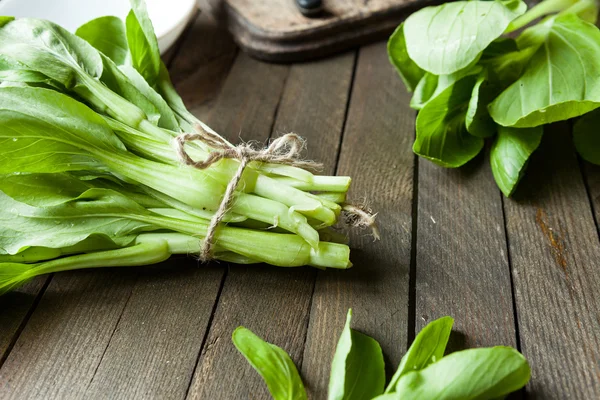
{"type": "Point", "coordinates": [272, 363]}
{"type": "Point", "coordinates": [562, 79]}
{"type": "Point", "coordinates": [107, 35]}
{"type": "Point", "coordinates": [96, 212]}
{"type": "Point", "coordinates": [424, 90]}
{"type": "Point", "coordinates": [8, 274]}
{"type": "Point", "coordinates": [487, 373]}
{"type": "Point", "coordinates": [5, 20]}
{"type": "Point", "coordinates": [447, 38]}
{"type": "Point", "coordinates": [427, 348]}
{"type": "Point", "coordinates": [42, 190]}
{"type": "Point", "coordinates": [410, 72]}
{"type": "Point", "coordinates": [40, 134]}
{"type": "Point", "coordinates": [142, 41]}
{"type": "Point", "coordinates": [48, 48]}
{"type": "Point", "coordinates": [509, 155]}
{"type": "Point", "coordinates": [357, 370]}
{"type": "Point", "coordinates": [118, 82]}
{"type": "Point", "coordinates": [442, 136]}
{"type": "Point", "coordinates": [586, 136]}
{"type": "Point", "coordinates": [168, 119]}
{"type": "Point", "coordinates": [478, 120]}
{"type": "Point", "coordinates": [430, 86]}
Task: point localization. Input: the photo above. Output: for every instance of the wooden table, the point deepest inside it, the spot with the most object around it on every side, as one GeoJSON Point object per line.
{"type": "Point", "coordinates": [522, 272]}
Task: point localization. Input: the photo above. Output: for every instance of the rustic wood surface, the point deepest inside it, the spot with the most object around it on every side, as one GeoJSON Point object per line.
{"type": "Point", "coordinates": [521, 272]}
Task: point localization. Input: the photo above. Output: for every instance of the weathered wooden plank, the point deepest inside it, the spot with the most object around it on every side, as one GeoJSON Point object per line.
{"type": "Point", "coordinates": [63, 342]}
{"type": "Point", "coordinates": [154, 348]}
{"type": "Point", "coordinates": [555, 252]}
{"type": "Point", "coordinates": [462, 267]}
{"type": "Point", "coordinates": [15, 307]}
{"type": "Point", "coordinates": [275, 302]}
{"type": "Point", "coordinates": [376, 153]}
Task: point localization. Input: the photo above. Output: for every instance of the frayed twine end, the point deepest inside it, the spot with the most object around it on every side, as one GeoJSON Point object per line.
{"type": "Point", "coordinates": [360, 215]}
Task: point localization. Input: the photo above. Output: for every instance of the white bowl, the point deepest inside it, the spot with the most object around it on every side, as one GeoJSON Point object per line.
{"type": "Point", "coordinates": [169, 17]}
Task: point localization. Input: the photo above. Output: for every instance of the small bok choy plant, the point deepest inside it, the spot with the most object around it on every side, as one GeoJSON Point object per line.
{"type": "Point", "coordinates": [473, 77]}
{"type": "Point", "coordinates": [94, 171]}
{"type": "Point", "coordinates": [424, 373]}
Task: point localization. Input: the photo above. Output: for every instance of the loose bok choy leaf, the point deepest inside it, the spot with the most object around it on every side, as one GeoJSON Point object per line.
{"type": "Point", "coordinates": [424, 373]}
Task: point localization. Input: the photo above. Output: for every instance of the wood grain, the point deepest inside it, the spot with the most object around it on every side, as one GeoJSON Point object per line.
{"type": "Point", "coordinates": [462, 265]}
{"type": "Point", "coordinates": [555, 253]}
{"type": "Point", "coordinates": [15, 307]}
{"type": "Point", "coordinates": [154, 348]}
{"type": "Point", "coordinates": [275, 302]}
{"type": "Point", "coordinates": [60, 347]}
{"type": "Point", "coordinates": [376, 153]}
{"type": "Point", "coordinates": [204, 60]}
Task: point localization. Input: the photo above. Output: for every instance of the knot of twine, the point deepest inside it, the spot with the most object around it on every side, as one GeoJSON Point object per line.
{"type": "Point", "coordinates": [283, 150]}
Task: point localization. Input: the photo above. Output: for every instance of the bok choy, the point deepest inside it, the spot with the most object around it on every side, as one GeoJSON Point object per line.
{"type": "Point", "coordinates": [90, 176]}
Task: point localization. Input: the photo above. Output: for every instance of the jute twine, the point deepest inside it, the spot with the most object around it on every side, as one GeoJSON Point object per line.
{"type": "Point", "coordinates": [284, 150]}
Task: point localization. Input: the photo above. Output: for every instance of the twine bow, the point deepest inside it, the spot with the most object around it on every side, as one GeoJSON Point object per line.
{"type": "Point", "coordinates": [283, 150]}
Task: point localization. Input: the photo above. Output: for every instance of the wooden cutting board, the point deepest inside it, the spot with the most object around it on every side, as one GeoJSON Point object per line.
{"type": "Point", "coordinates": [275, 30]}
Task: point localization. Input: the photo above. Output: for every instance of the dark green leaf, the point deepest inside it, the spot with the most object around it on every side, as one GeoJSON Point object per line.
{"type": "Point", "coordinates": [272, 363]}
{"type": "Point", "coordinates": [357, 370]}
{"type": "Point", "coordinates": [586, 136]}
{"type": "Point", "coordinates": [447, 38]}
{"type": "Point", "coordinates": [427, 348]}
{"type": "Point", "coordinates": [424, 90]}
{"type": "Point", "coordinates": [442, 136]}
{"type": "Point", "coordinates": [510, 153]}
{"type": "Point", "coordinates": [488, 373]}
{"type": "Point", "coordinates": [107, 35]}
{"type": "Point", "coordinates": [478, 120]}
{"type": "Point", "coordinates": [410, 72]}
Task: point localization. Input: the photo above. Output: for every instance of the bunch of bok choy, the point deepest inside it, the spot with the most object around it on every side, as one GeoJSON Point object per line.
{"type": "Point", "coordinates": [89, 176]}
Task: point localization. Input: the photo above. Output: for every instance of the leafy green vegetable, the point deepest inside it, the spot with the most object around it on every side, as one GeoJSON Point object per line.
{"type": "Point", "coordinates": [428, 347]}
{"type": "Point", "coordinates": [442, 136]}
{"type": "Point", "coordinates": [357, 370]}
{"type": "Point", "coordinates": [488, 373]}
{"type": "Point", "coordinates": [561, 81]}
{"type": "Point", "coordinates": [272, 363]}
{"type": "Point", "coordinates": [410, 72]}
{"type": "Point", "coordinates": [478, 121]}
{"type": "Point", "coordinates": [509, 155]}
{"type": "Point", "coordinates": [449, 37]}
{"type": "Point", "coordinates": [142, 43]}
{"type": "Point", "coordinates": [108, 35]}
{"type": "Point", "coordinates": [424, 373]}
{"type": "Point", "coordinates": [89, 176]}
{"type": "Point", "coordinates": [548, 71]}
